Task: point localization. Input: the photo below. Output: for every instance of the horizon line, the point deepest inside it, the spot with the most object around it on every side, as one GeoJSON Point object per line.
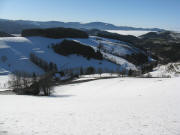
{"type": "Point", "coordinates": [86, 23]}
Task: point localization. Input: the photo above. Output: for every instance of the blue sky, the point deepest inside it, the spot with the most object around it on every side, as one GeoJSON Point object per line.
{"type": "Point", "coordinates": [139, 13]}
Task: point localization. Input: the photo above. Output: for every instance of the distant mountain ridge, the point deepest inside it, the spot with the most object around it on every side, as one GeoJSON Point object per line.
{"type": "Point", "coordinates": [16, 26]}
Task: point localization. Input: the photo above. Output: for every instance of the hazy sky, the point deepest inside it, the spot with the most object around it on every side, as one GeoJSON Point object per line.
{"type": "Point", "coordinates": [139, 13]}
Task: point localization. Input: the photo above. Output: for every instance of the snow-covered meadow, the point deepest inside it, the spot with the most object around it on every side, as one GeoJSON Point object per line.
{"type": "Point", "coordinates": [119, 106]}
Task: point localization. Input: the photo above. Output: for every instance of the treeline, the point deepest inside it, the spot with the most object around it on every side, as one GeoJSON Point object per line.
{"type": "Point", "coordinates": [163, 46]}
{"type": "Point", "coordinates": [55, 33]}
{"type": "Point", "coordinates": [121, 72]}
{"type": "Point", "coordinates": [69, 47]}
{"type": "Point", "coordinates": [47, 67]}
{"type": "Point", "coordinates": [23, 83]}
{"type": "Point", "coordinates": [125, 38]}
{"type": "Point", "coordinates": [164, 53]}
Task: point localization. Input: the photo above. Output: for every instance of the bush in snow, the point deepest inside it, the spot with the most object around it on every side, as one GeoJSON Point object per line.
{"type": "Point", "coordinates": [45, 83]}
{"type": "Point", "coordinates": [19, 81]}
{"type": "Point", "coordinates": [27, 84]}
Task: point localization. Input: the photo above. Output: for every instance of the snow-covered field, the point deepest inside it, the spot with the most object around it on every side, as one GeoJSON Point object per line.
{"type": "Point", "coordinates": [120, 106]}
{"type": "Point", "coordinates": [136, 33]}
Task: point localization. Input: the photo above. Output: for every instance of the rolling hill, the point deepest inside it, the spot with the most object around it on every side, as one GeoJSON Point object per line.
{"type": "Point", "coordinates": [15, 52]}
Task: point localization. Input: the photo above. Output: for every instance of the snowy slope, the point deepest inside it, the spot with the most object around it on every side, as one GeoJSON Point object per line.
{"type": "Point", "coordinates": [122, 106]}
{"type": "Point", "coordinates": [17, 50]}
{"type": "Point", "coordinates": [113, 49]}
{"type": "Point", "coordinates": [169, 70]}
{"type": "Point", "coordinates": [114, 46]}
